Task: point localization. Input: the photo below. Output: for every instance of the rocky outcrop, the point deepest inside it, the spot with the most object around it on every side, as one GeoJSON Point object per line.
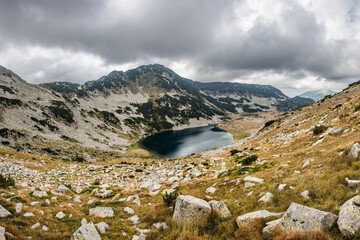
{"type": "Point", "coordinates": [86, 232]}
{"type": "Point", "coordinates": [220, 208]}
{"type": "Point", "coordinates": [189, 209]}
{"type": "Point", "coordinates": [243, 219]}
{"type": "Point", "coordinates": [349, 217]}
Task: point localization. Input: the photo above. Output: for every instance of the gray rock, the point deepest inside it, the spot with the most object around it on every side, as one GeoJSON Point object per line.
{"type": "Point", "coordinates": [86, 232]}
{"type": "Point", "coordinates": [102, 227]}
{"type": "Point", "coordinates": [189, 209]}
{"type": "Point", "coordinates": [61, 190]}
{"type": "Point", "coordinates": [305, 194]}
{"type": "Point", "coordinates": [354, 152]}
{"type": "Point", "coordinates": [267, 197]}
{"type": "Point", "coordinates": [141, 237]}
{"type": "Point", "coordinates": [302, 218]}
{"type": "Point", "coordinates": [101, 212]}
{"type": "Point", "coordinates": [335, 131]}
{"type": "Point", "coordinates": [243, 219]}
{"type": "Point", "coordinates": [40, 194]}
{"type": "Point", "coordinates": [154, 187]}
{"type": "Point", "coordinates": [29, 214]}
{"type": "Point", "coordinates": [4, 212]}
{"type": "Point", "coordinates": [18, 207]}
{"type": "Point", "coordinates": [253, 179]}
{"type": "Point", "coordinates": [220, 208]}
{"type": "Point", "coordinates": [104, 194]}
{"type": "Point", "coordinates": [210, 190]}
{"type": "Point", "coordinates": [352, 183]}
{"type": "Point", "coordinates": [349, 217]}
{"type": "Point", "coordinates": [135, 219]}
{"type": "Point", "coordinates": [129, 210]}
{"type": "Point", "coordinates": [270, 226]}
{"type": "Point", "coordinates": [60, 215]}
{"type": "Point", "coordinates": [2, 233]}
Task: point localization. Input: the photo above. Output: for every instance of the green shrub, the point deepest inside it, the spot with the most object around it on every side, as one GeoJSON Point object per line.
{"type": "Point", "coordinates": [319, 129]}
{"type": "Point", "coordinates": [234, 151]}
{"type": "Point", "coordinates": [96, 182]}
{"type": "Point", "coordinates": [138, 170]}
{"type": "Point", "coordinates": [249, 159]}
{"type": "Point", "coordinates": [357, 108]}
{"type": "Point", "coordinates": [6, 182]}
{"type": "Point", "coordinates": [170, 198]}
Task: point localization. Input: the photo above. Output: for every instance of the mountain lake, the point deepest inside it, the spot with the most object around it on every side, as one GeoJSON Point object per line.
{"type": "Point", "coordinates": [180, 143]}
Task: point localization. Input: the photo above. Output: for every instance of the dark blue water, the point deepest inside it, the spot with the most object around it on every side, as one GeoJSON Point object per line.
{"type": "Point", "coordinates": [180, 143]}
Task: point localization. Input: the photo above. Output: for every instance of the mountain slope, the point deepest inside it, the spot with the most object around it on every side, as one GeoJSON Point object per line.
{"type": "Point", "coordinates": [109, 113]}
{"type": "Point", "coordinates": [318, 94]}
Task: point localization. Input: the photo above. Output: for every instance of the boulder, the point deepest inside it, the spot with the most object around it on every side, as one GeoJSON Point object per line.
{"type": "Point", "coordinates": [101, 212]}
{"type": "Point", "coordinates": [189, 209]}
{"type": "Point", "coordinates": [243, 219]}
{"type": "Point", "coordinates": [4, 212]}
{"type": "Point", "coordinates": [302, 218]}
{"type": "Point", "coordinates": [335, 131]}
{"type": "Point", "coordinates": [270, 226]}
{"type": "Point", "coordinates": [134, 219]}
{"type": "Point", "coordinates": [220, 208]}
{"type": "Point", "coordinates": [60, 215]}
{"type": "Point", "coordinates": [86, 232]}
{"type": "Point", "coordinates": [305, 194]}
{"type": "Point", "coordinates": [354, 152]}
{"type": "Point", "coordinates": [349, 217]}
{"type": "Point", "coordinates": [129, 210]}
{"type": "Point", "coordinates": [104, 194]}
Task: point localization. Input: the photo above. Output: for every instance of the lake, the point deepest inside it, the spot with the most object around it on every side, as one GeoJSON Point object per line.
{"type": "Point", "coordinates": [180, 143]}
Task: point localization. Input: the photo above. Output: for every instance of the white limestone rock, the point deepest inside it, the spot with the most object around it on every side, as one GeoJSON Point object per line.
{"type": "Point", "coordinates": [189, 209]}
{"type": "Point", "coordinates": [86, 232]}
{"type": "Point", "coordinates": [243, 219]}
{"type": "Point", "coordinates": [220, 208]}
{"type": "Point", "coordinates": [101, 212]}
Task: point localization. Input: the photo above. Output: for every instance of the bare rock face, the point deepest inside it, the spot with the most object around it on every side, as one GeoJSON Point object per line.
{"type": "Point", "coordinates": [86, 232]}
{"type": "Point", "coordinates": [101, 212]}
{"type": "Point", "coordinates": [243, 219]}
{"type": "Point", "coordinates": [354, 152]}
{"type": "Point", "coordinates": [189, 209]}
{"type": "Point", "coordinates": [220, 208]}
{"type": "Point", "coordinates": [302, 218]}
{"type": "Point", "coordinates": [2, 233]}
{"type": "Point", "coordinates": [349, 217]}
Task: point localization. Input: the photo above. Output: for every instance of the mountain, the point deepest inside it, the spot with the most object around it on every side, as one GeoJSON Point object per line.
{"type": "Point", "coordinates": [108, 114]}
{"type": "Point", "coordinates": [318, 94]}
{"type": "Point", "coordinates": [302, 168]}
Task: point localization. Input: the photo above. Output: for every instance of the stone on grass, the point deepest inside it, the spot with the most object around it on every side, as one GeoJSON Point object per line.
{"type": "Point", "coordinates": [220, 208]}
{"type": "Point", "coordinates": [302, 218]}
{"type": "Point", "coordinates": [267, 197]}
{"type": "Point", "coordinates": [253, 179]}
{"type": "Point", "coordinates": [36, 225]}
{"type": "Point", "coordinates": [159, 225]}
{"type": "Point", "coordinates": [29, 214]}
{"type": "Point", "coordinates": [2, 233]}
{"type": "Point", "coordinates": [135, 219]}
{"type": "Point", "coordinates": [354, 152]}
{"type": "Point", "coordinates": [60, 215]}
{"type": "Point", "coordinates": [40, 194]}
{"type": "Point", "coordinates": [129, 210]}
{"type": "Point", "coordinates": [4, 213]}
{"type": "Point", "coordinates": [141, 237]}
{"type": "Point", "coordinates": [189, 209]}
{"type": "Point", "coordinates": [210, 190]}
{"type": "Point", "coordinates": [86, 232]}
{"type": "Point", "coordinates": [246, 218]}
{"type": "Point", "coordinates": [305, 194]}
{"type": "Point", "coordinates": [349, 217]}
{"type": "Point", "coordinates": [101, 212]}
{"type": "Point", "coordinates": [102, 227]}
{"type": "Point", "coordinates": [352, 183]}
{"type": "Point", "coordinates": [18, 207]}
{"type": "Point", "coordinates": [45, 228]}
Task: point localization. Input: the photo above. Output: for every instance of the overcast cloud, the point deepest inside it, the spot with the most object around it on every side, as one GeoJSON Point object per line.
{"type": "Point", "coordinates": [294, 45]}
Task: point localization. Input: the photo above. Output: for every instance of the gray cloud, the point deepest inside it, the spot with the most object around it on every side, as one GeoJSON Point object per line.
{"type": "Point", "coordinates": [217, 40]}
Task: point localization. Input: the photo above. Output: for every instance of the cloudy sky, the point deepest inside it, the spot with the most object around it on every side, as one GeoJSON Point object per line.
{"type": "Point", "coordinates": [295, 45]}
